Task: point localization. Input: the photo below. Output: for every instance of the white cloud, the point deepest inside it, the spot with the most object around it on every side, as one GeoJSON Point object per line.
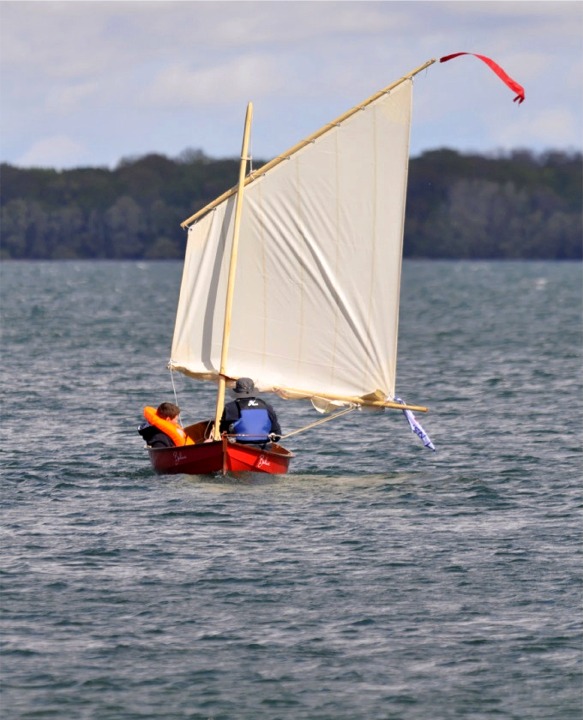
{"type": "Point", "coordinates": [551, 128]}
{"type": "Point", "coordinates": [235, 80]}
{"type": "Point", "coordinates": [56, 151]}
{"type": "Point", "coordinates": [127, 78]}
{"type": "Point", "coordinates": [67, 98]}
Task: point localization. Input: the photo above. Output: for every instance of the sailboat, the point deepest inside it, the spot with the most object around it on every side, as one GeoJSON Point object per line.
{"type": "Point", "coordinates": [292, 278]}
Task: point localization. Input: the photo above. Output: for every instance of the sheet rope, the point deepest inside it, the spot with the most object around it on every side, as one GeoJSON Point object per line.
{"type": "Point", "coordinates": [319, 422]}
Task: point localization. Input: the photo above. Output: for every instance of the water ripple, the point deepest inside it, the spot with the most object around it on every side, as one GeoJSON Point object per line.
{"type": "Point", "coordinates": [384, 582]}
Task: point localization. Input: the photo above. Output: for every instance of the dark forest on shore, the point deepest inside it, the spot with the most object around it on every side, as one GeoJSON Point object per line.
{"type": "Point", "coordinates": [517, 205]}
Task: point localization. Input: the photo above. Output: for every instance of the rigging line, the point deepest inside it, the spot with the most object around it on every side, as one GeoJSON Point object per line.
{"type": "Point", "coordinates": [319, 422]}
{"type": "Point", "coordinates": [175, 395]}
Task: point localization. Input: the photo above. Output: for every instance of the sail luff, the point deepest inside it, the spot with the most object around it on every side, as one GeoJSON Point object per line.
{"type": "Point", "coordinates": [232, 272]}
{"type": "Point", "coordinates": [260, 172]}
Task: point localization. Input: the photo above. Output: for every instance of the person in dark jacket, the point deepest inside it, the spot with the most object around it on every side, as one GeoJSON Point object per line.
{"type": "Point", "coordinates": [248, 417]}
{"type": "Point", "coordinates": [153, 436]}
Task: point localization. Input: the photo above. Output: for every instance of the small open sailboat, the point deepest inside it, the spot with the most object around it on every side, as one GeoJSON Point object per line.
{"type": "Point", "coordinates": [292, 278]}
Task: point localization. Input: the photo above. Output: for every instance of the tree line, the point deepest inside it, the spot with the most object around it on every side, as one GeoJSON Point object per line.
{"type": "Point", "coordinates": [518, 205]}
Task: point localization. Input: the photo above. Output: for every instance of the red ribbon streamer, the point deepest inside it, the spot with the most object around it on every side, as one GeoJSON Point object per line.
{"type": "Point", "coordinates": [512, 84]}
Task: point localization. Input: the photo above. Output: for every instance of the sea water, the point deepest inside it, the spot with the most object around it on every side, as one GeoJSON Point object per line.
{"type": "Point", "coordinates": [377, 580]}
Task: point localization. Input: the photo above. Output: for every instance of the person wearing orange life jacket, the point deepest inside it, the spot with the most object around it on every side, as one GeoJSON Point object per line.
{"type": "Point", "coordinates": [162, 428]}
{"type": "Point", "coordinates": [249, 418]}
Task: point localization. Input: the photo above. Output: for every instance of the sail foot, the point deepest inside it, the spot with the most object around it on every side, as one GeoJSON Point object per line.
{"type": "Point", "coordinates": [376, 399]}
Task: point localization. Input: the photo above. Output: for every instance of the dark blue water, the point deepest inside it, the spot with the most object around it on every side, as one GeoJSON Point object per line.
{"type": "Point", "coordinates": [376, 581]}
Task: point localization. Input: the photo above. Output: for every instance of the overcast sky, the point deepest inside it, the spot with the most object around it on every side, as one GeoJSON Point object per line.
{"type": "Point", "coordinates": [89, 83]}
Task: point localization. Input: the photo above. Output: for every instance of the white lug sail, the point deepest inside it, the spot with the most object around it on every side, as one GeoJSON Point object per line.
{"type": "Point", "coordinates": [316, 295]}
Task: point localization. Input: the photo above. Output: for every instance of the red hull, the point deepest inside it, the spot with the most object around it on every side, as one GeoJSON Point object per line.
{"type": "Point", "coordinates": [220, 457]}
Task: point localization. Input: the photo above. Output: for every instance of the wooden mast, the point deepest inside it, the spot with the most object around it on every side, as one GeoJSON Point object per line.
{"type": "Point", "coordinates": [232, 272]}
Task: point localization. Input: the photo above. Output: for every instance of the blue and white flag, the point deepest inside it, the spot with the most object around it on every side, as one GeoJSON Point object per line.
{"type": "Point", "coordinates": [416, 427]}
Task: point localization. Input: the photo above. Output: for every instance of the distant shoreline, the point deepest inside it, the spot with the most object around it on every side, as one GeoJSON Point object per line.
{"type": "Point", "coordinates": [517, 206]}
